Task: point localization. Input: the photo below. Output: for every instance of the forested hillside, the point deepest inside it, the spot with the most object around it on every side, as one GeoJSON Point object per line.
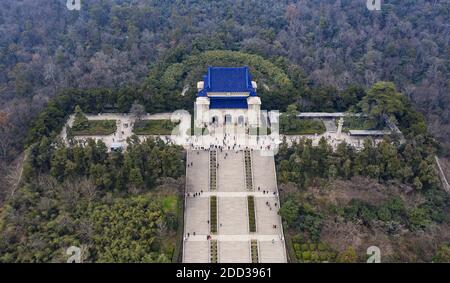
{"type": "Point", "coordinates": [320, 55]}
{"type": "Point", "coordinates": [44, 47]}
{"type": "Point", "coordinates": [117, 207]}
{"type": "Point", "coordinates": [335, 204]}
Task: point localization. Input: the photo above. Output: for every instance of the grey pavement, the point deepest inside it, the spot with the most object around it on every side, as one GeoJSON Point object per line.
{"type": "Point", "coordinates": [330, 125]}
{"type": "Point", "coordinates": [267, 216]}
{"type": "Point", "coordinates": [231, 174]}
{"type": "Point", "coordinates": [233, 216]}
{"type": "Point", "coordinates": [196, 251]}
{"type": "Point", "coordinates": [198, 174]}
{"type": "Point", "coordinates": [234, 252]}
{"type": "Point", "coordinates": [272, 252]}
{"type": "Point", "coordinates": [264, 175]}
{"type": "Point", "coordinates": [197, 216]}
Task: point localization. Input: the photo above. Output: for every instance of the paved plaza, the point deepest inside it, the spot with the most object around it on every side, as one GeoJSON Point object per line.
{"type": "Point", "coordinates": [234, 252]}
{"type": "Point", "coordinates": [233, 216]}
{"type": "Point", "coordinates": [272, 252]}
{"type": "Point", "coordinates": [198, 173]}
{"type": "Point", "coordinates": [231, 171]}
{"type": "Point", "coordinates": [232, 137]}
{"type": "Point", "coordinates": [124, 123]}
{"type": "Point", "coordinates": [197, 216]}
{"type": "Point", "coordinates": [196, 251]}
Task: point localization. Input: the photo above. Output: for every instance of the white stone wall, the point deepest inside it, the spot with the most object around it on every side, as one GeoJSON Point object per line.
{"type": "Point", "coordinates": [250, 116]}
{"type": "Point", "coordinates": [254, 109]}
{"type": "Point", "coordinates": [201, 108]}
{"type": "Point", "coordinates": [234, 114]}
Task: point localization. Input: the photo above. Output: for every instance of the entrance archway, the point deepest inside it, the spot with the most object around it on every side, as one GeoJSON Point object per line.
{"type": "Point", "coordinates": [228, 119]}
{"type": "Point", "coordinates": [215, 120]}
{"type": "Point", "coordinates": [241, 120]}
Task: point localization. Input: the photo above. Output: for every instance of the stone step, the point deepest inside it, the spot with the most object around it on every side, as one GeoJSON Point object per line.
{"type": "Point", "coordinates": [234, 252]}
{"type": "Point", "coordinates": [196, 251]}
{"type": "Point", "coordinates": [237, 174]}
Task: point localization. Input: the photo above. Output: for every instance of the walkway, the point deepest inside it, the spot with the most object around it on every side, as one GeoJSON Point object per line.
{"type": "Point", "coordinates": [124, 123]}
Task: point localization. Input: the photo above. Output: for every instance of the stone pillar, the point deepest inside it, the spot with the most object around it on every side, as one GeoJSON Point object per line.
{"type": "Point", "coordinates": [254, 108]}
{"type": "Point", "coordinates": [201, 111]}
{"type": "Point", "coordinates": [340, 124]}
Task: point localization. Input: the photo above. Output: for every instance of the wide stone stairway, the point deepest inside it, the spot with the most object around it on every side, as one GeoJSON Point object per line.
{"type": "Point", "coordinates": [231, 208]}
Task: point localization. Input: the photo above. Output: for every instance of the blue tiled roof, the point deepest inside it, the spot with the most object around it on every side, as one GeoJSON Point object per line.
{"type": "Point", "coordinates": [228, 103]}
{"type": "Point", "coordinates": [227, 79]}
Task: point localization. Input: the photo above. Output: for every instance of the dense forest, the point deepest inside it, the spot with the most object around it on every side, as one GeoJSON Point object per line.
{"type": "Point", "coordinates": [338, 203]}
{"type": "Point", "coordinates": [317, 55]}
{"type": "Point", "coordinates": [44, 47]}
{"type": "Point", "coordinates": [119, 207]}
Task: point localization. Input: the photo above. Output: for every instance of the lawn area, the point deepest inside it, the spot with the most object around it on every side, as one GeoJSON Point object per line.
{"type": "Point", "coordinates": [169, 203]}
{"type": "Point", "coordinates": [251, 213]}
{"type": "Point", "coordinates": [213, 212]}
{"type": "Point", "coordinates": [193, 130]}
{"type": "Point", "coordinates": [96, 128]}
{"type": "Point", "coordinates": [171, 206]}
{"type": "Point", "coordinates": [197, 131]}
{"type": "Point", "coordinates": [260, 131]}
{"type": "Point", "coordinates": [154, 127]}
{"type": "Point", "coordinates": [303, 127]}
{"type": "Point", "coordinates": [360, 123]}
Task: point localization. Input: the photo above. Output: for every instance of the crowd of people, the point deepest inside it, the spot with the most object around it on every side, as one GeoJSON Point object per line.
{"type": "Point", "coordinates": [229, 141]}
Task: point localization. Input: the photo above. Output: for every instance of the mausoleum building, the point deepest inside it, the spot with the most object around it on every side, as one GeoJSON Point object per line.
{"type": "Point", "coordinates": [227, 96]}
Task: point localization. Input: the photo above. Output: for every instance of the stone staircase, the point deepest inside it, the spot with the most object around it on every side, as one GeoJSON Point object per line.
{"type": "Point", "coordinates": [243, 224]}
{"type": "Point", "coordinates": [196, 252]}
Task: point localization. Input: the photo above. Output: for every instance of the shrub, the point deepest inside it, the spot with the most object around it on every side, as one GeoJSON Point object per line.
{"type": "Point", "coordinates": [305, 247]}
{"type": "Point", "coordinates": [251, 213]}
{"type": "Point", "coordinates": [314, 256]}
{"type": "Point", "coordinates": [306, 255]}
{"type": "Point", "coordinates": [321, 247]}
